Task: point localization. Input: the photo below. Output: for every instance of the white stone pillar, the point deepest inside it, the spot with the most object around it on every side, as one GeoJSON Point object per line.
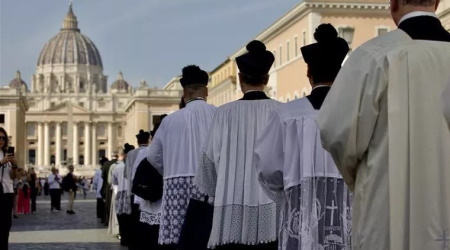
{"type": "Point", "coordinates": [75, 144]}
{"type": "Point", "coordinates": [40, 151]}
{"type": "Point", "coordinates": [110, 140]}
{"type": "Point", "coordinates": [46, 144]}
{"type": "Point", "coordinates": [87, 143]}
{"type": "Point", "coordinates": [58, 144]}
{"type": "Point", "coordinates": [94, 145]}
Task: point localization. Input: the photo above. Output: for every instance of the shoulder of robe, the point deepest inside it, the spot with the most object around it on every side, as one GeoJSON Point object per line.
{"type": "Point", "coordinates": [294, 109]}
{"type": "Point", "coordinates": [379, 46]}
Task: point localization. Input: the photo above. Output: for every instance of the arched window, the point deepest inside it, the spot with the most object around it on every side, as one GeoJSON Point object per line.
{"type": "Point", "coordinates": [81, 159]}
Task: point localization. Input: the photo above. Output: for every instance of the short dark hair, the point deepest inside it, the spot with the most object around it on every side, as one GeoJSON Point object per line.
{"type": "Point", "coordinates": [419, 2]}
{"type": "Point", "coordinates": [254, 80]}
{"type": "Point", "coordinates": [5, 146]}
{"type": "Point", "coordinates": [195, 90]}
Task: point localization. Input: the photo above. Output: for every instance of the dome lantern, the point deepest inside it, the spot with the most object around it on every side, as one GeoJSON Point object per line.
{"type": "Point", "coordinates": [70, 22]}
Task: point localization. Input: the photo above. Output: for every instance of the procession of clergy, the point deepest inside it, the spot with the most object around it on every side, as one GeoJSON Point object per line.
{"type": "Point", "coordinates": [363, 162]}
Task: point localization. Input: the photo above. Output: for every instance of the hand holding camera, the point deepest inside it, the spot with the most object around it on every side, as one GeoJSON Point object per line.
{"type": "Point", "coordinates": [9, 157]}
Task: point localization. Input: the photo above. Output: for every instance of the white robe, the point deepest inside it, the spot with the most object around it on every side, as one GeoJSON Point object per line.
{"type": "Point", "coordinates": [446, 102]}
{"type": "Point", "coordinates": [174, 152]}
{"type": "Point", "coordinates": [243, 214]}
{"type": "Point", "coordinates": [97, 183]}
{"type": "Point", "coordinates": [122, 201]}
{"type": "Point", "coordinates": [383, 124]}
{"type": "Point", "coordinates": [302, 178]}
{"type": "Point", "coordinates": [176, 147]}
{"type": "Point", "coordinates": [113, 225]}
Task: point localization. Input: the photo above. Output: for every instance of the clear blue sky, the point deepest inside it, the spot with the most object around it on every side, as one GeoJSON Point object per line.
{"type": "Point", "coordinates": [146, 39]}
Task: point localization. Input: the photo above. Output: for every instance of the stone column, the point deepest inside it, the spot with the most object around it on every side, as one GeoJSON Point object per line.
{"type": "Point", "coordinates": [87, 143]}
{"type": "Point", "coordinates": [75, 144]}
{"type": "Point", "coordinates": [94, 145]}
{"type": "Point", "coordinates": [46, 144]}
{"type": "Point", "coordinates": [40, 151]}
{"type": "Point", "coordinates": [110, 140]}
{"type": "Point", "coordinates": [58, 144]}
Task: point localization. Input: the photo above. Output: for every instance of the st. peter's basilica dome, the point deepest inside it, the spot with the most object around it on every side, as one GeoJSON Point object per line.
{"type": "Point", "coordinates": [69, 46]}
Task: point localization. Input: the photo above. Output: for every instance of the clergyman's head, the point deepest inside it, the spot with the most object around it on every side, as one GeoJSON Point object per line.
{"type": "Point", "coordinates": [254, 65]}
{"type": "Point", "coordinates": [325, 57]}
{"type": "Point", "coordinates": [400, 8]}
{"type": "Point", "coordinates": [194, 82]}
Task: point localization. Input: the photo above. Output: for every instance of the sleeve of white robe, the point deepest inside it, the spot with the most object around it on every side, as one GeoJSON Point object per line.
{"type": "Point", "coordinates": [446, 103]}
{"type": "Point", "coordinates": [155, 152]}
{"type": "Point", "coordinates": [110, 173]}
{"type": "Point", "coordinates": [349, 114]}
{"type": "Point", "coordinates": [206, 176]}
{"type": "Point", "coordinates": [115, 174]}
{"type": "Point", "coordinates": [269, 158]}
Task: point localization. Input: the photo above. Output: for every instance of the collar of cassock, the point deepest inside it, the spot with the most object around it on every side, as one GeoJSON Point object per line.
{"type": "Point", "coordinates": [196, 99]}
{"type": "Point", "coordinates": [254, 95]}
{"type": "Point", "coordinates": [416, 14]}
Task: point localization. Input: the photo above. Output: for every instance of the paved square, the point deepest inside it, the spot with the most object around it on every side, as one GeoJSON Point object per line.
{"type": "Point", "coordinates": [53, 230]}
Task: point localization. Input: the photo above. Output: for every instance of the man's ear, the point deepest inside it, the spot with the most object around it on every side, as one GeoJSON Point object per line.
{"type": "Point", "coordinates": [395, 5]}
{"type": "Point", "coordinates": [240, 77]}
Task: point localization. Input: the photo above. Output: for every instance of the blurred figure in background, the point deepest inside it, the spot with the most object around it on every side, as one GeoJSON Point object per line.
{"type": "Point", "coordinates": [34, 189]}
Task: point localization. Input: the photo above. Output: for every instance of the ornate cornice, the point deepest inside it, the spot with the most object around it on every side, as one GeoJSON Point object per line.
{"type": "Point", "coordinates": [308, 6]}
{"type": "Point", "coordinates": [346, 5]}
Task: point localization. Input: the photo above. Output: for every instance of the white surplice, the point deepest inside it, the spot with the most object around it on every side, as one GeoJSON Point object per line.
{"type": "Point", "coordinates": [175, 152]}
{"type": "Point", "coordinates": [302, 178]}
{"type": "Point", "coordinates": [446, 102]}
{"type": "Point", "coordinates": [113, 225]}
{"type": "Point", "coordinates": [122, 200]}
{"type": "Point", "coordinates": [243, 214]}
{"type": "Point", "coordinates": [383, 124]}
{"type": "Point", "coordinates": [97, 183]}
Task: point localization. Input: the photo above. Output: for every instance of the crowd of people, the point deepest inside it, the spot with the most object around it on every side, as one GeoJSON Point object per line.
{"type": "Point", "coordinates": [27, 187]}
{"type": "Point", "coordinates": [361, 163]}
{"type": "Point", "coordinates": [20, 189]}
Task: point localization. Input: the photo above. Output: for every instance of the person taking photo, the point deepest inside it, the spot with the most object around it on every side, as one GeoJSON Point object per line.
{"type": "Point", "coordinates": [8, 167]}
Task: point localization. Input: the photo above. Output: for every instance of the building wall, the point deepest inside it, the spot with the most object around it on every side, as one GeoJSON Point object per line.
{"type": "Point", "coordinates": [222, 86]}
{"type": "Point", "coordinates": [289, 66]}
{"type": "Point", "coordinates": [13, 106]}
{"type": "Point", "coordinates": [365, 24]}
{"type": "Point", "coordinates": [444, 13]}
{"type": "Point", "coordinates": [292, 82]}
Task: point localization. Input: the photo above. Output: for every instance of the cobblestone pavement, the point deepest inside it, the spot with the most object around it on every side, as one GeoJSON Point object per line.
{"type": "Point", "coordinates": [52, 230]}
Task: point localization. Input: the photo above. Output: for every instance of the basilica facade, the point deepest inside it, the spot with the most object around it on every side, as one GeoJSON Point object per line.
{"type": "Point", "coordinates": [69, 114]}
